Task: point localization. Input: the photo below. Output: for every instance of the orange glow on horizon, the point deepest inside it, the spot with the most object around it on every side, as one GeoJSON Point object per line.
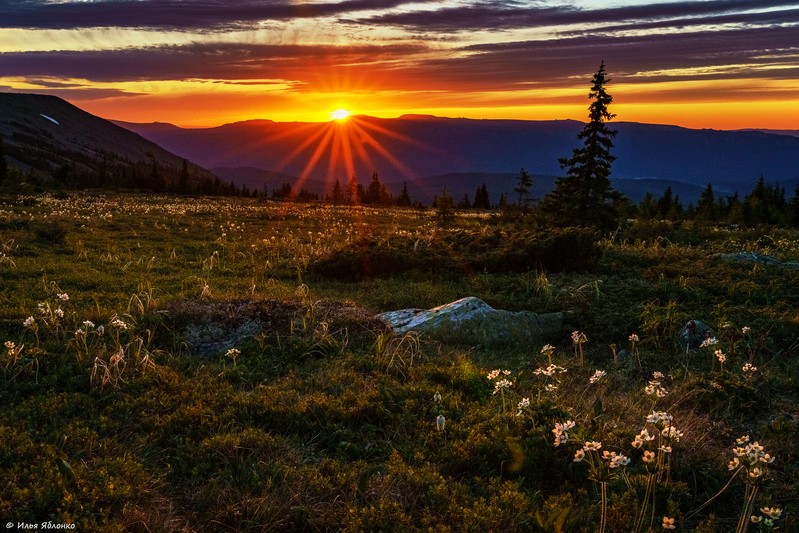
{"type": "Point", "coordinates": [339, 114]}
{"type": "Point", "coordinates": [771, 114]}
{"type": "Point", "coordinates": [198, 104]}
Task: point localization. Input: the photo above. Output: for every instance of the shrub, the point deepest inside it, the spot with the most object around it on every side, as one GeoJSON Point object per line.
{"type": "Point", "coordinates": [455, 253]}
{"type": "Point", "coordinates": [53, 233]}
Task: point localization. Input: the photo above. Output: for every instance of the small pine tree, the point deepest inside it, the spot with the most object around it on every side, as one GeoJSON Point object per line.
{"type": "Point", "coordinates": [445, 209]}
{"type": "Point", "coordinates": [706, 207]}
{"type": "Point", "coordinates": [503, 201]}
{"type": "Point", "coordinates": [373, 192]}
{"type": "Point", "coordinates": [183, 179]}
{"type": "Point", "coordinates": [404, 199]}
{"type": "Point", "coordinates": [283, 192]}
{"type": "Point", "coordinates": [666, 203]}
{"type": "Point", "coordinates": [793, 209]}
{"type": "Point", "coordinates": [648, 208]}
{"type": "Point", "coordinates": [523, 185]}
{"type": "Point", "coordinates": [481, 200]}
{"type": "Point", "coordinates": [337, 195]}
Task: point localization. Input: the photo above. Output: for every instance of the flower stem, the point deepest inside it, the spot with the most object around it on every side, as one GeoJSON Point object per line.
{"type": "Point", "coordinates": [746, 512]}
{"type": "Point", "coordinates": [639, 523]}
{"type": "Point", "coordinates": [603, 521]}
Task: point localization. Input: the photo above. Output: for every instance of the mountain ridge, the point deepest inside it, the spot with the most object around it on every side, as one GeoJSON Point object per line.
{"type": "Point", "coordinates": [417, 148]}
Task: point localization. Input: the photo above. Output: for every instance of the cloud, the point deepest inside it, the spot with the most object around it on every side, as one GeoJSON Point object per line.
{"type": "Point", "coordinates": [234, 62]}
{"type": "Point", "coordinates": [415, 66]}
{"type": "Point", "coordinates": [171, 14]}
{"type": "Point", "coordinates": [641, 44]}
{"type": "Point", "coordinates": [75, 93]}
{"type": "Point", "coordinates": [504, 16]}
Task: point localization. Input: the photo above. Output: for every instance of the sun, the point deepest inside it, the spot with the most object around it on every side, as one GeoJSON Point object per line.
{"type": "Point", "coordinates": [340, 114]}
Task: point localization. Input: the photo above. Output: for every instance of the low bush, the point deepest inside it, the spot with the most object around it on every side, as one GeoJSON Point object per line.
{"type": "Point", "coordinates": [460, 253]}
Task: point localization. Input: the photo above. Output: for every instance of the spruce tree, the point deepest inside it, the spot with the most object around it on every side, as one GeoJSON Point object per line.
{"type": "Point", "coordinates": [481, 200]}
{"type": "Point", "coordinates": [404, 199]}
{"type": "Point", "coordinates": [584, 196]}
{"type": "Point", "coordinates": [184, 180]}
{"type": "Point", "coordinates": [374, 191]}
{"type": "Point", "coordinates": [523, 184]}
{"type": "Point", "coordinates": [706, 207]}
{"type": "Point", "coordinates": [337, 196]}
{"type": "Point", "coordinates": [445, 208]}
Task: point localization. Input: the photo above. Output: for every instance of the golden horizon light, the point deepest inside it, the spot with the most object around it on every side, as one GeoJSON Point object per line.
{"type": "Point", "coordinates": [340, 114]}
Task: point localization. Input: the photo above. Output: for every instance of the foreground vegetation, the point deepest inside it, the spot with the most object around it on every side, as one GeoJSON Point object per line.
{"type": "Point", "coordinates": [139, 395]}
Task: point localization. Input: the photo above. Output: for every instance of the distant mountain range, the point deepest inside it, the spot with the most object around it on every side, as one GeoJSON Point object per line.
{"type": "Point", "coordinates": [430, 153]}
{"type": "Point", "coordinates": [46, 137]}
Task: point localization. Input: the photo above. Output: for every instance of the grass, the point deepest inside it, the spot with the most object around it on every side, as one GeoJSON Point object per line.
{"type": "Point", "coordinates": [324, 421]}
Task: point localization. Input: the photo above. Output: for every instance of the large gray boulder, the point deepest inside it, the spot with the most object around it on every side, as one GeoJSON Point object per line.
{"type": "Point", "coordinates": [472, 321]}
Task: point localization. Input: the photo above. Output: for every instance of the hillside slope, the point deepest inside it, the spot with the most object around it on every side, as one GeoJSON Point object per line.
{"type": "Point", "coordinates": [47, 138]}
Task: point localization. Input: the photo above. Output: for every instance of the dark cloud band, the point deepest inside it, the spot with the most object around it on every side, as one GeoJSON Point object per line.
{"type": "Point", "coordinates": [173, 14]}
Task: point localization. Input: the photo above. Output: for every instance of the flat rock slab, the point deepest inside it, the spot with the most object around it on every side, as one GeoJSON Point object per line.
{"type": "Point", "coordinates": [474, 322]}
{"type": "Point", "coordinates": [763, 259]}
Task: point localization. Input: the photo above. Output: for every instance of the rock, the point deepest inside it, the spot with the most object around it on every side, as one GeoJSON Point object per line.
{"type": "Point", "coordinates": [694, 332]}
{"type": "Point", "coordinates": [474, 322]}
{"type": "Point", "coordinates": [763, 259]}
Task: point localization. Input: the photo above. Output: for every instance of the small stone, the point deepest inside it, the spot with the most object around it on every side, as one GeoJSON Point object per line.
{"type": "Point", "coordinates": [693, 333]}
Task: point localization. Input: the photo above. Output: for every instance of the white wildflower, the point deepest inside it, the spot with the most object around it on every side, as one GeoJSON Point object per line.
{"type": "Point", "coordinates": [710, 341]}
{"type": "Point", "coordinates": [501, 385]}
{"type": "Point", "coordinates": [772, 512]}
{"type": "Point", "coordinates": [598, 375]}
{"type": "Point", "coordinates": [749, 367]}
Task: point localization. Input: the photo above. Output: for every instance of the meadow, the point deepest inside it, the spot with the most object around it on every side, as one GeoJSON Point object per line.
{"type": "Point", "coordinates": [213, 364]}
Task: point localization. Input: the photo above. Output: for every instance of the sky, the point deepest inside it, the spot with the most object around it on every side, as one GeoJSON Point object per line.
{"type": "Point", "coordinates": [722, 64]}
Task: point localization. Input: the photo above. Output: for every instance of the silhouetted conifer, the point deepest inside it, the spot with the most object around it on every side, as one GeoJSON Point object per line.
{"type": "Point", "coordinates": [404, 199]}
{"type": "Point", "coordinates": [337, 195]}
{"type": "Point", "coordinates": [445, 208]}
{"type": "Point", "coordinates": [481, 200]}
{"type": "Point", "coordinates": [183, 180]}
{"type": "Point", "coordinates": [523, 185]}
{"type": "Point", "coordinates": [584, 197]}
{"type": "Point", "coordinates": [706, 207]}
